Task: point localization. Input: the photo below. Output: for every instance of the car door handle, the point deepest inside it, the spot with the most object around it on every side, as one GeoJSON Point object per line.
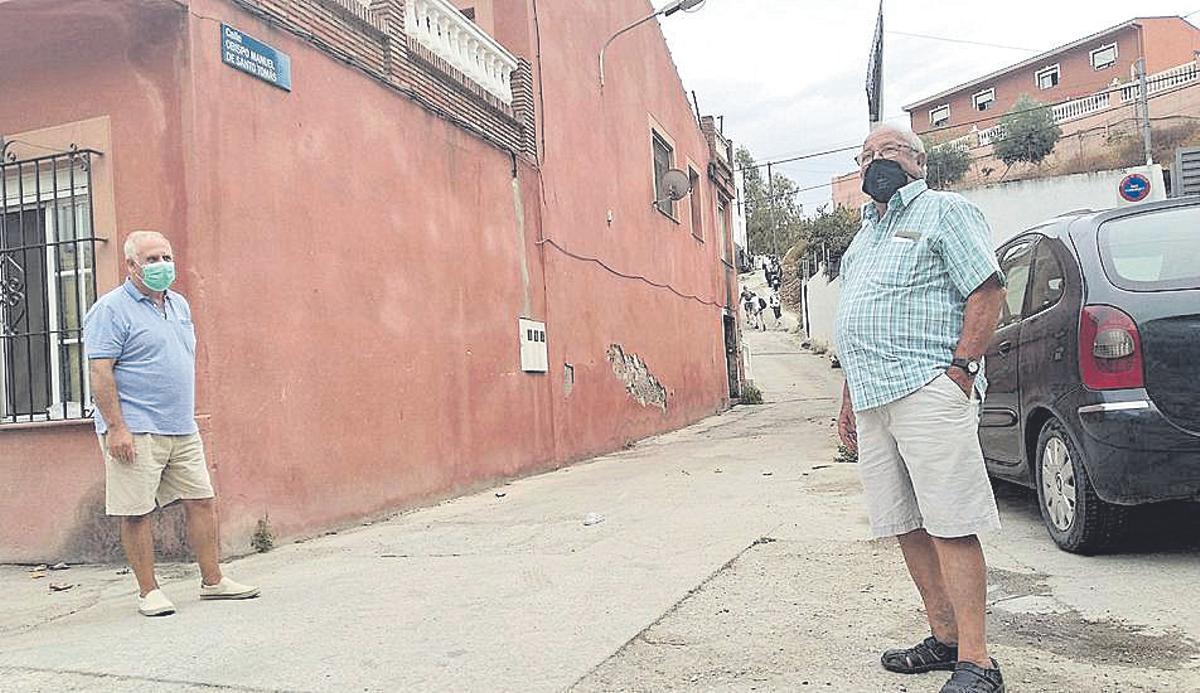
{"type": "Point", "coordinates": [1004, 347]}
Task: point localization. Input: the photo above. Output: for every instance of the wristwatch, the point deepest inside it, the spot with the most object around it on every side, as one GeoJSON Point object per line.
{"type": "Point", "coordinates": [971, 366]}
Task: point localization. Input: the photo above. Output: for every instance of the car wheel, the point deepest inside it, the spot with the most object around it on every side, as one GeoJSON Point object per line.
{"type": "Point", "coordinates": [1077, 520]}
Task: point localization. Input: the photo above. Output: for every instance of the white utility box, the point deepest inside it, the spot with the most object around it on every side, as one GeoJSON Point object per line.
{"type": "Point", "coordinates": [535, 358]}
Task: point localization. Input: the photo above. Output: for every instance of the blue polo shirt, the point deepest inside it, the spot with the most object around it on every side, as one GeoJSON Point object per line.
{"type": "Point", "coordinates": [155, 358]}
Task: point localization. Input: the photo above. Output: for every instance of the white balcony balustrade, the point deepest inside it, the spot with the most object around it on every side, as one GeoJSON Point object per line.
{"type": "Point", "coordinates": [1162, 81]}
{"type": "Point", "coordinates": [445, 32]}
{"type": "Point", "coordinates": [1077, 108]}
{"type": "Point", "coordinates": [964, 143]}
{"type": "Point", "coordinates": [990, 135]}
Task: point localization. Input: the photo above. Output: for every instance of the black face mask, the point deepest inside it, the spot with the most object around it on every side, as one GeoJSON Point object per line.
{"type": "Point", "coordinates": [882, 179]}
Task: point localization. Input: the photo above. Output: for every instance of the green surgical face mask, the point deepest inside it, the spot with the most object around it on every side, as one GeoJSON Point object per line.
{"type": "Point", "coordinates": [157, 276]}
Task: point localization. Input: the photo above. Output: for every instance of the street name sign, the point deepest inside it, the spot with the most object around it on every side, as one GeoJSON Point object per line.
{"type": "Point", "coordinates": [255, 58]}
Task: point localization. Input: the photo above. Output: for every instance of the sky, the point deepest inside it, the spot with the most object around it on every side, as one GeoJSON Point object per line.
{"type": "Point", "coordinates": [789, 75]}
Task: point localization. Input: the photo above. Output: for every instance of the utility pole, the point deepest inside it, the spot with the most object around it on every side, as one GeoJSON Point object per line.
{"type": "Point", "coordinates": [771, 209]}
{"type": "Point", "coordinates": [1144, 102]}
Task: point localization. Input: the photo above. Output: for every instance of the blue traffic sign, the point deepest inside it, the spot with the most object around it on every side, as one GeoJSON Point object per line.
{"type": "Point", "coordinates": [1134, 187]}
{"type": "Point", "coordinates": [255, 58]}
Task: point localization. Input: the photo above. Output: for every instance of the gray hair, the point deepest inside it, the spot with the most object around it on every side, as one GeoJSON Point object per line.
{"type": "Point", "coordinates": [134, 239]}
{"type": "Point", "coordinates": [910, 138]}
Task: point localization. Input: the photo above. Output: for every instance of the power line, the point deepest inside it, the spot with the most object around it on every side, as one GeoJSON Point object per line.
{"type": "Point", "coordinates": [800, 157]}
{"type": "Point", "coordinates": [969, 43]}
{"type": "Point", "coordinates": [623, 275]}
{"type": "Point", "coordinates": [928, 132]}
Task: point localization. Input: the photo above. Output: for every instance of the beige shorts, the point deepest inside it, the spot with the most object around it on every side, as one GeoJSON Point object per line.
{"type": "Point", "coordinates": [922, 466]}
{"type": "Point", "coordinates": [165, 469]}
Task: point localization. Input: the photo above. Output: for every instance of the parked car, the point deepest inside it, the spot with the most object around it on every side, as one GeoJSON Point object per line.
{"type": "Point", "coordinates": [1094, 372]}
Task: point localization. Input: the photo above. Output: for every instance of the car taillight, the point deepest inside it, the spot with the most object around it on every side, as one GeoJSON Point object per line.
{"type": "Point", "coordinates": [1110, 349]}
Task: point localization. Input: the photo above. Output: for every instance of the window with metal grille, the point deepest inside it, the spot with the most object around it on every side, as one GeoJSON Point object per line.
{"type": "Point", "coordinates": [47, 283]}
{"type": "Point", "coordinates": [662, 163]}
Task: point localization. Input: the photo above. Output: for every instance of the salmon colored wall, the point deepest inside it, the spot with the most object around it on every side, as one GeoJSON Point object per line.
{"type": "Point", "coordinates": [597, 158]}
{"type": "Point", "coordinates": [1169, 41]}
{"type": "Point", "coordinates": [1077, 78]}
{"type": "Point", "coordinates": [356, 265]}
{"type": "Point", "coordinates": [847, 191]}
{"type": "Point", "coordinates": [67, 61]}
{"type": "Point", "coordinates": [360, 294]}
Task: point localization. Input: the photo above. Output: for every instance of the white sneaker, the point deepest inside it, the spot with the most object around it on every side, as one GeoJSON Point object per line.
{"type": "Point", "coordinates": [227, 589]}
{"type": "Point", "coordinates": [155, 603]}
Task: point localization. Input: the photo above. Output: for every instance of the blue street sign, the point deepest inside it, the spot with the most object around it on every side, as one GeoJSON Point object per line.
{"type": "Point", "coordinates": [1134, 187]}
{"type": "Point", "coordinates": [255, 58]}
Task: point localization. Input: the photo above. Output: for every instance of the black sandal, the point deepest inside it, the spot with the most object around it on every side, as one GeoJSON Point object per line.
{"type": "Point", "coordinates": [970, 678]}
{"type": "Point", "coordinates": [930, 655]}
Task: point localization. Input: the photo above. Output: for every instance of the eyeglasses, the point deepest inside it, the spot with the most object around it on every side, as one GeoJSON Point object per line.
{"type": "Point", "coordinates": [888, 151]}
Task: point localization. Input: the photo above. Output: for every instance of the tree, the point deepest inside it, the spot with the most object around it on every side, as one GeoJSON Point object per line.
{"type": "Point", "coordinates": [945, 165]}
{"type": "Point", "coordinates": [828, 234]}
{"type": "Point", "coordinates": [831, 230]}
{"type": "Point", "coordinates": [1029, 133]}
{"type": "Point", "coordinates": [773, 216]}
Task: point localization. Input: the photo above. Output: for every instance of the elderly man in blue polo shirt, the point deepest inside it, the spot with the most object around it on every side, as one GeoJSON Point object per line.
{"type": "Point", "coordinates": [920, 298]}
{"type": "Point", "coordinates": [141, 347]}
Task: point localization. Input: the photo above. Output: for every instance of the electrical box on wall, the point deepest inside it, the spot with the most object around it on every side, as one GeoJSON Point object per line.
{"type": "Point", "coordinates": [535, 358]}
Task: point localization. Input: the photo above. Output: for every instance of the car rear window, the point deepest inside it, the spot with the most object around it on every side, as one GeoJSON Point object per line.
{"type": "Point", "coordinates": [1155, 251]}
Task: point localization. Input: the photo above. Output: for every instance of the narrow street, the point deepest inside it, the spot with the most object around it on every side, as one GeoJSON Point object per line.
{"type": "Point", "coordinates": [731, 557]}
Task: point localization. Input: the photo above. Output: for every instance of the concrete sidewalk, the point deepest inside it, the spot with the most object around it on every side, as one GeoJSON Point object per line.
{"type": "Point", "coordinates": [479, 593]}
{"type": "Point", "coordinates": [732, 557]}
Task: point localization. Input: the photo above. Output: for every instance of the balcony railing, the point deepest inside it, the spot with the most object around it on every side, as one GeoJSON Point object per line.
{"type": "Point", "coordinates": [965, 142]}
{"type": "Point", "coordinates": [990, 135]}
{"type": "Point", "coordinates": [443, 30]}
{"type": "Point", "coordinates": [1077, 108]}
{"type": "Point", "coordinates": [1162, 81]}
{"type": "Point", "coordinates": [1117, 95]}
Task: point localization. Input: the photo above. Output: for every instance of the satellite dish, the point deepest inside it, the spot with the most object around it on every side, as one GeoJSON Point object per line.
{"type": "Point", "coordinates": [685, 5]}
{"type": "Point", "coordinates": [675, 185]}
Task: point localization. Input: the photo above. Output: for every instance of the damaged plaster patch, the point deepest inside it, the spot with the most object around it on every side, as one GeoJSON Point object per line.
{"type": "Point", "coordinates": [639, 382]}
{"type": "Point", "coordinates": [568, 379]}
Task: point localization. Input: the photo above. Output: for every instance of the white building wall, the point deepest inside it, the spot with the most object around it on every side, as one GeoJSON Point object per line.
{"type": "Point", "coordinates": [739, 213]}
{"type": "Point", "coordinates": [1010, 208]}
{"type": "Point", "coordinates": [1013, 207]}
{"type": "Point", "coordinates": [822, 298]}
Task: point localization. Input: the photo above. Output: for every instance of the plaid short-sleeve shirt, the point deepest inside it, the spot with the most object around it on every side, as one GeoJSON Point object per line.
{"type": "Point", "coordinates": [905, 282]}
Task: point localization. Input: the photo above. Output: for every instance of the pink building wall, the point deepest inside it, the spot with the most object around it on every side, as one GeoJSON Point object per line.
{"type": "Point", "coordinates": [63, 65]}
{"type": "Point", "coordinates": [1165, 42]}
{"type": "Point", "coordinates": [356, 265]}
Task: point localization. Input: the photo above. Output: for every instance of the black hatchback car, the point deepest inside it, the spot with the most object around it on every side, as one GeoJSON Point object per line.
{"type": "Point", "coordinates": [1094, 373]}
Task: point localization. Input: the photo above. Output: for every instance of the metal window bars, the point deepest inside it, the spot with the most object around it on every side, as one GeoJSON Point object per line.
{"type": "Point", "coordinates": [47, 284]}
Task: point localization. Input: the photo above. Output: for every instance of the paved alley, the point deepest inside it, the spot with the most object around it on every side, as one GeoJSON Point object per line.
{"type": "Point", "coordinates": [731, 556]}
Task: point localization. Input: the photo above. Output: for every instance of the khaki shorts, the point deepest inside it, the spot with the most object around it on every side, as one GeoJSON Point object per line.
{"type": "Point", "coordinates": [165, 469]}
{"type": "Point", "coordinates": [922, 466]}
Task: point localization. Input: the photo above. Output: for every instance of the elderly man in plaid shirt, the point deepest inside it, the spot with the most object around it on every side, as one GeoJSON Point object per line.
{"type": "Point", "coordinates": [921, 294]}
